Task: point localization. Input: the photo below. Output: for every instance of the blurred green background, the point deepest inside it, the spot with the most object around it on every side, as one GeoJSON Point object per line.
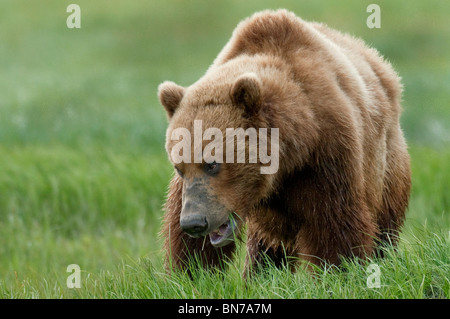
{"type": "Point", "coordinates": [83, 171]}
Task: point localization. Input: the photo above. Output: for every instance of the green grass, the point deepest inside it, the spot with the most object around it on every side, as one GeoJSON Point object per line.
{"type": "Point", "coordinates": [83, 171]}
{"type": "Point", "coordinates": [69, 208]}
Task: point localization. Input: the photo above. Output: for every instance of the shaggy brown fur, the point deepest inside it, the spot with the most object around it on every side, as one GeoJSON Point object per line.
{"type": "Point", "coordinates": [344, 176]}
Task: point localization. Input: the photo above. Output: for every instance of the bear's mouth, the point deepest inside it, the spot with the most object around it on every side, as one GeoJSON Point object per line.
{"type": "Point", "coordinates": [223, 235]}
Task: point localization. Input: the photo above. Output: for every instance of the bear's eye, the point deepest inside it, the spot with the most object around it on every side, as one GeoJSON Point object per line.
{"type": "Point", "coordinates": [211, 168]}
{"type": "Point", "coordinates": [179, 172]}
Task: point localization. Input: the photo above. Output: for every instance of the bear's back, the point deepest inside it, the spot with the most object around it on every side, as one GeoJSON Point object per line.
{"type": "Point", "coordinates": [324, 50]}
{"type": "Point", "coordinates": [267, 32]}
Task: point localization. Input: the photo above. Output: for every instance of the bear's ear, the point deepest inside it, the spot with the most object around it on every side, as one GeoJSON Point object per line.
{"type": "Point", "coordinates": [170, 95]}
{"type": "Point", "coordinates": [246, 93]}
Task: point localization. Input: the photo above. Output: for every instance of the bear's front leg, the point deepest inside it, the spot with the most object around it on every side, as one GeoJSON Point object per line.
{"type": "Point", "coordinates": [259, 257]}
{"type": "Point", "coordinates": [183, 251]}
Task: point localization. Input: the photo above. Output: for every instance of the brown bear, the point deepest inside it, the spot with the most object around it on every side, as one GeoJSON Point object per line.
{"type": "Point", "coordinates": [343, 180]}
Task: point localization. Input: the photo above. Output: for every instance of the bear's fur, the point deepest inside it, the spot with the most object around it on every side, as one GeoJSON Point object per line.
{"type": "Point", "coordinates": [343, 182]}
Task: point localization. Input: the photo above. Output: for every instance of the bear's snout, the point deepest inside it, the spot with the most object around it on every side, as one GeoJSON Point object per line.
{"type": "Point", "coordinates": [201, 211]}
{"type": "Point", "coordinates": [194, 225]}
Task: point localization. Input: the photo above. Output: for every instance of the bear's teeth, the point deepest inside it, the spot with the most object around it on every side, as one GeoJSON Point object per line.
{"type": "Point", "coordinates": [223, 229]}
{"type": "Point", "coordinates": [215, 235]}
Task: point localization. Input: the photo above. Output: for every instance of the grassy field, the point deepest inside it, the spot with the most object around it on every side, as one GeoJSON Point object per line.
{"type": "Point", "coordinates": [83, 171]}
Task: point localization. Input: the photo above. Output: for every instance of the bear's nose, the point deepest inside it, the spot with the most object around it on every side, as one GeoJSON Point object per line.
{"type": "Point", "coordinates": [194, 225]}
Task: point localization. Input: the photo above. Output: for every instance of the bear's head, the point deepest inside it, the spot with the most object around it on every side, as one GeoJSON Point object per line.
{"type": "Point", "coordinates": [223, 148]}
